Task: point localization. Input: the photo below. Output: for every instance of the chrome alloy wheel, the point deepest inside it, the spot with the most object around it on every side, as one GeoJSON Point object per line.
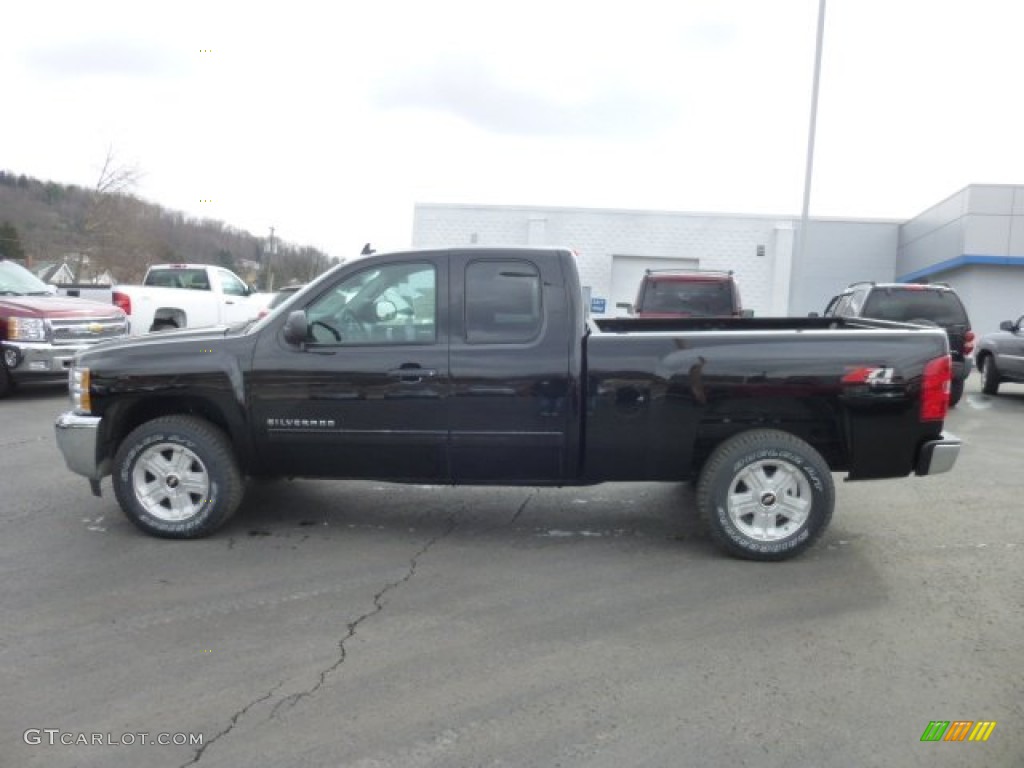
{"type": "Point", "coordinates": [769, 500]}
{"type": "Point", "coordinates": [170, 482]}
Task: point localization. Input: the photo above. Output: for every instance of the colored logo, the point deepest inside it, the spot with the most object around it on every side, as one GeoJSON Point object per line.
{"type": "Point", "coordinates": [958, 730]}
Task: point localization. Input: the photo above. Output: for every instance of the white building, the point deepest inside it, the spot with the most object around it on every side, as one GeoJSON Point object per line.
{"type": "Point", "coordinates": [974, 240]}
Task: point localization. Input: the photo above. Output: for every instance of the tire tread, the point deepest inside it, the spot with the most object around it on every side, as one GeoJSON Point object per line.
{"type": "Point", "coordinates": [732, 449]}
{"type": "Point", "coordinates": [217, 451]}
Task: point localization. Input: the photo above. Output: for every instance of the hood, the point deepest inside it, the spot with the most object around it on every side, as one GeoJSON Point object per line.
{"type": "Point", "coordinates": [170, 340]}
{"type": "Point", "coordinates": [194, 343]}
{"type": "Point", "coordinates": [57, 307]}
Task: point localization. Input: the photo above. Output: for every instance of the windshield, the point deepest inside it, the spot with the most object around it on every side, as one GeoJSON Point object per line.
{"type": "Point", "coordinates": [18, 281]}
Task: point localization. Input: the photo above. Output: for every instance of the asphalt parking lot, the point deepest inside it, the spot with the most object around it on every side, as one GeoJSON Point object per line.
{"type": "Point", "coordinates": [363, 624]}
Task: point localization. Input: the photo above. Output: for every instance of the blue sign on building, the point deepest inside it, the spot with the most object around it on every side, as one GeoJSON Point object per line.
{"type": "Point", "coordinates": [597, 306]}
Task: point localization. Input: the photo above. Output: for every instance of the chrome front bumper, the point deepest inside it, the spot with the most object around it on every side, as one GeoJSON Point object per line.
{"type": "Point", "coordinates": [78, 440]}
{"type": "Point", "coordinates": [37, 359]}
{"type": "Point", "coordinates": [937, 456]}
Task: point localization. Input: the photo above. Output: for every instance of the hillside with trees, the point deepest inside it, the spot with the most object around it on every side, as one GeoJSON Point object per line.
{"type": "Point", "coordinates": [108, 231]}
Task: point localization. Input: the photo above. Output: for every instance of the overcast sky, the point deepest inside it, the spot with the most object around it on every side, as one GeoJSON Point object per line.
{"type": "Point", "coordinates": [329, 121]}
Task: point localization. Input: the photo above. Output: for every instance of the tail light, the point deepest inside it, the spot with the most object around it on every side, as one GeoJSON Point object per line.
{"type": "Point", "coordinates": [968, 343]}
{"type": "Point", "coordinates": [122, 300]}
{"type": "Point", "coordinates": [935, 389]}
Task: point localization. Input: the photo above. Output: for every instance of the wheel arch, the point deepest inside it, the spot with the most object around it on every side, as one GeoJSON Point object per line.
{"type": "Point", "coordinates": [827, 435]}
{"type": "Point", "coordinates": [128, 417]}
{"type": "Point", "coordinates": [175, 315]}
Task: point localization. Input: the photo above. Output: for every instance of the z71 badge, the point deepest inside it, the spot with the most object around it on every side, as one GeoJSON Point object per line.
{"type": "Point", "coordinates": [871, 376]}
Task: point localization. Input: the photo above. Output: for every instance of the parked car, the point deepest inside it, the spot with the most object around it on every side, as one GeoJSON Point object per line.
{"type": "Point", "coordinates": [176, 296]}
{"type": "Point", "coordinates": [1000, 356]}
{"type": "Point", "coordinates": [40, 332]}
{"type": "Point", "coordinates": [687, 293]}
{"type": "Point", "coordinates": [479, 366]}
{"type": "Point", "coordinates": [930, 304]}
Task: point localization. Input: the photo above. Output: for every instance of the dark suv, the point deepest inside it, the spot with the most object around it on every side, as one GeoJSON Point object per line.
{"type": "Point", "coordinates": [687, 293]}
{"type": "Point", "coordinates": [918, 303]}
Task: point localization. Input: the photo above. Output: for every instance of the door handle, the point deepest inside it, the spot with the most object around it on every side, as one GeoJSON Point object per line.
{"type": "Point", "coordinates": [412, 373]}
{"type": "Point", "coordinates": [229, 302]}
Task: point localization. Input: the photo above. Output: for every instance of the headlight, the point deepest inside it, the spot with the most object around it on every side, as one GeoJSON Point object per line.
{"type": "Point", "coordinates": [26, 329]}
{"type": "Point", "coordinates": [78, 386]}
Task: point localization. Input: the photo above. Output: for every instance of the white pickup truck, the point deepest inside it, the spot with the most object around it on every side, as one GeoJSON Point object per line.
{"type": "Point", "coordinates": [187, 296]}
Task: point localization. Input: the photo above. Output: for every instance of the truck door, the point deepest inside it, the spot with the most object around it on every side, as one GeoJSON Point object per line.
{"type": "Point", "coordinates": [235, 306]}
{"type": "Point", "coordinates": [366, 396]}
{"type": "Point", "coordinates": [511, 404]}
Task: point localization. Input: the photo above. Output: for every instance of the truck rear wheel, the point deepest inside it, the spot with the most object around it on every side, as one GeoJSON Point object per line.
{"type": "Point", "coordinates": [766, 495]}
{"type": "Point", "coordinates": [176, 477]}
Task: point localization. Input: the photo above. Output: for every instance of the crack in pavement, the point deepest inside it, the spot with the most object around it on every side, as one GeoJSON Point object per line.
{"type": "Point", "coordinates": [230, 726]}
{"type": "Point", "coordinates": [353, 626]}
{"type": "Point", "coordinates": [522, 506]}
{"type": "Point", "coordinates": [378, 605]}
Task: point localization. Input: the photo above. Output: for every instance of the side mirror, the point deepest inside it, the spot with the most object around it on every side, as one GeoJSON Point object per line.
{"type": "Point", "coordinates": [747, 313]}
{"type": "Point", "coordinates": [1007, 325]}
{"type": "Point", "coordinates": [296, 328]}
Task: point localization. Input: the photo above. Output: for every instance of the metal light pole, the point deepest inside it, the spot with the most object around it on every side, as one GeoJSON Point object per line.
{"type": "Point", "coordinates": [811, 130]}
{"type": "Point", "coordinates": [271, 250]}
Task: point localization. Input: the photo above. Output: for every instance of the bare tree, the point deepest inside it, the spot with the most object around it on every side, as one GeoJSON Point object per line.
{"type": "Point", "coordinates": [108, 225]}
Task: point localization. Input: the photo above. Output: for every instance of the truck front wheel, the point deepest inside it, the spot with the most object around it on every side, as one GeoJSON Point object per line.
{"type": "Point", "coordinates": [766, 495]}
{"type": "Point", "coordinates": [176, 477]}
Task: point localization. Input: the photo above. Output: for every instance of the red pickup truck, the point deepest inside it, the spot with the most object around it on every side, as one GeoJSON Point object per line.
{"type": "Point", "coordinates": [40, 332]}
{"type": "Point", "coordinates": [666, 293]}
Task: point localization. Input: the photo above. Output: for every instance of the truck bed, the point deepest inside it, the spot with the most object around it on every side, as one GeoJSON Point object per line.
{"type": "Point", "coordinates": [662, 393]}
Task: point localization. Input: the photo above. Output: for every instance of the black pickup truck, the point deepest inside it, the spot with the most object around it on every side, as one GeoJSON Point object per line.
{"type": "Point", "coordinates": [479, 366]}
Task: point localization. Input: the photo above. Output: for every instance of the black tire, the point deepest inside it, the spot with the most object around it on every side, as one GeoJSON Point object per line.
{"type": "Point", "coordinates": [989, 375]}
{"type": "Point", "coordinates": [956, 391]}
{"type": "Point", "coordinates": [163, 325]}
{"type": "Point", "coordinates": [193, 454]}
{"type": "Point", "coordinates": [790, 472]}
{"type": "Point", "coordinates": [6, 382]}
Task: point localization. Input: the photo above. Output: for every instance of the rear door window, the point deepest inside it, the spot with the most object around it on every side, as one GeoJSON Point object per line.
{"type": "Point", "coordinates": [196, 279]}
{"type": "Point", "coordinates": [503, 302]}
